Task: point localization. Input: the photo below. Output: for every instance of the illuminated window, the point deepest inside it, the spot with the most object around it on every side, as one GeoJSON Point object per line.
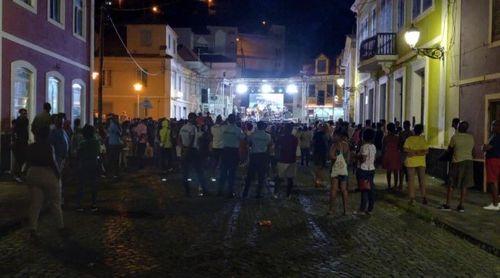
{"type": "Point", "coordinates": [78, 101]}
{"type": "Point", "coordinates": [54, 88]}
{"type": "Point", "coordinates": [22, 91]}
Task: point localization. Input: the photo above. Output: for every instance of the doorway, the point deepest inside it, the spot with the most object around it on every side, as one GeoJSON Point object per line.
{"type": "Point", "coordinates": [398, 99]}
{"type": "Point", "coordinates": [361, 108]}
{"type": "Point", "coordinates": [382, 102]}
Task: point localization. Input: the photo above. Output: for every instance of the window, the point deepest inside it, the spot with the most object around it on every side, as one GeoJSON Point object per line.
{"type": "Point", "coordinates": [23, 80]}
{"type": "Point", "coordinates": [373, 27]}
{"type": "Point", "coordinates": [55, 91]}
{"type": "Point", "coordinates": [175, 111]}
{"type": "Point", "coordinates": [420, 6]}
{"type": "Point", "coordinates": [56, 12]}
{"type": "Point", "coordinates": [321, 98]}
{"type": "Point", "coordinates": [77, 101]}
{"type": "Point", "coordinates": [169, 42]}
{"type": "Point", "coordinates": [363, 29]}
{"type": "Point", "coordinates": [321, 66]}
{"type": "Point", "coordinates": [180, 83]}
{"type": "Point", "coordinates": [401, 14]}
{"type": "Point", "coordinates": [174, 80]}
{"type": "Point", "coordinates": [107, 78]}
{"type": "Point", "coordinates": [495, 20]}
{"type": "Point", "coordinates": [175, 47]}
{"type": "Point", "coordinates": [312, 90]}
{"type": "Point", "coordinates": [27, 4]}
{"type": "Point", "coordinates": [142, 77]}
{"type": "Point", "coordinates": [79, 18]}
{"type": "Point", "coordinates": [329, 91]}
{"type": "Point", "coordinates": [146, 38]}
{"type": "Point", "coordinates": [386, 16]}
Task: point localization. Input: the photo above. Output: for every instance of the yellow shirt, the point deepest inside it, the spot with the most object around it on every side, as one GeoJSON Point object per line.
{"type": "Point", "coordinates": [415, 143]}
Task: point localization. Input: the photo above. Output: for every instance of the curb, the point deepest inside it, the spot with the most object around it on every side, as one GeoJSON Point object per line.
{"type": "Point", "coordinates": [426, 215]}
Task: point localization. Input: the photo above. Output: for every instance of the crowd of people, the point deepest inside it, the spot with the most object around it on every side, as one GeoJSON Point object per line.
{"type": "Point", "coordinates": [207, 151]}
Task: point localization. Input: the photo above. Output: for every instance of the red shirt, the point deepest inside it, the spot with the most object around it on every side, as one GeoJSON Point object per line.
{"type": "Point", "coordinates": [288, 148]}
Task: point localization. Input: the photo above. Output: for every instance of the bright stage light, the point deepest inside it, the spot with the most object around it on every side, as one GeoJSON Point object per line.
{"type": "Point", "coordinates": [266, 88]}
{"type": "Point", "coordinates": [241, 88]}
{"type": "Point", "coordinates": [292, 89]}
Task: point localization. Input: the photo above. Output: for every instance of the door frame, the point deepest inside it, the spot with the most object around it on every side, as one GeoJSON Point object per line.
{"type": "Point", "coordinates": [487, 100]}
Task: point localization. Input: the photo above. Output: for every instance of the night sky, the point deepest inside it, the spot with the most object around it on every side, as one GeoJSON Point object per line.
{"type": "Point", "coordinates": [313, 26]}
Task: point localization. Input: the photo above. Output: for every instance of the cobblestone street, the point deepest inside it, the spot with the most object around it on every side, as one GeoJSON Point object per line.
{"type": "Point", "coordinates": [145, 227]}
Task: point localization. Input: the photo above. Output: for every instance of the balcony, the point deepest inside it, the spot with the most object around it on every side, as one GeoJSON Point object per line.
{"type": "Point", "coordinates": [378, 52]}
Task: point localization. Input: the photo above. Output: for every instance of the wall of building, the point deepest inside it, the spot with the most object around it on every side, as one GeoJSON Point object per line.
{"type": "Point", "coordinates": [47, 48]}
{"type": "Point", "coordinates": [120, 98]}
{"type": "Point", "coordinates": [479, 69]}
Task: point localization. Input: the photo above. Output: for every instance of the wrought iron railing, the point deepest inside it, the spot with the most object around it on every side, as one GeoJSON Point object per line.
{"type": "Point", "coordinates": [380, 44]}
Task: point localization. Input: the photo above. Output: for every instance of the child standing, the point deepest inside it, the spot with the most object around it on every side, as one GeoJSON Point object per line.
{"type": "Point", "coordinates": [366, 171]}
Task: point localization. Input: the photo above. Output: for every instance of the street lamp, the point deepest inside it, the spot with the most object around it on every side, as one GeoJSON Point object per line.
{"type": "Point", "coordinates": [138, 88]}
{"type": "Point", "coordinates": [266, 88]}
{"type": "Point", "coordinates": [411, 38]}
{"type": "Point", "coordinates": [241, 88]}
{"type": "Point", "coordinates": [95, 74]}
{"type": "Point", "coordinates": [341, 82]}
{"type": "Point", "coordinates": [292, 89]}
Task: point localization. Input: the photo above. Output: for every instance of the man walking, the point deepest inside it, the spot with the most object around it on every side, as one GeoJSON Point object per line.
{"type": "Point", "coordinates": [20, 142]}
{"type": "Point", "coordinates": [492, 154]}
{"type": "Point", "coordinates": [260, 143]}
{"type": "Point", "coordinates": [462, 167]}
{"type": "Point", "coordinates": [287, 145]}
{"type": "Point", "coordinates": [231, 139]}
{"type": "Point", "coordinates": [217, 145]}
{"type": "Point", "coordinates": [188, 137]}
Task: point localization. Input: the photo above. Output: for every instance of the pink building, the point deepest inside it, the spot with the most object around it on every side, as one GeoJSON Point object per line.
{"type": "Point", "coordinates": [45, 53]}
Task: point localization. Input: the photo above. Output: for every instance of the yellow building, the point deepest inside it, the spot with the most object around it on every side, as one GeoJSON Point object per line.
{"type": "Point", "coordinates": [170, 86]}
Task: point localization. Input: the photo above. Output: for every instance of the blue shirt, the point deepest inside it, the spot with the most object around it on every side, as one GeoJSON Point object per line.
{"type": "Point", "coordinates": [114, 134]}
{"type": "Point", "coordinates": [259, 141]}
{"type": "Point", "coordinates": [231, 136]}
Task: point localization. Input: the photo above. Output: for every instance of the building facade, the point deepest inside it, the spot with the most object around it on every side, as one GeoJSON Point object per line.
{"type": "Point", "coordinates": [171, 86]}
{"type": "Point", "coordinates": [392, 81]}
{"type": "Point", "coordinates": [45, 51]}
{"type": "Point", "coordinates": [323, 100]}
{"type": "Point", "coordinates": [479, 101]}
{"type": "Point", "coordinates": [348, 74]}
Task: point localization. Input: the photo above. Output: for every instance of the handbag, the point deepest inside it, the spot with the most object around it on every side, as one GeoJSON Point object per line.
{"type": "Point", "coordinates": [339, 167]}
{"type": "Point", "coordinates": [364, 185]}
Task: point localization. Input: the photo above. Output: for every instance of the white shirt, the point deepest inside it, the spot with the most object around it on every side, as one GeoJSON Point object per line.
{"type": "Point", "coordinates": [369, 151]}
{"type": "Point", "coordinates": [217, 142]}
{"type": "Point", "coordinates": [188, 134]}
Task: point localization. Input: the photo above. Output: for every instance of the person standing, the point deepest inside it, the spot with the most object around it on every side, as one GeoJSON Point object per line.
{"type": "Point", "coordinates": [232, 136]}
{"type": "Point", "coordinates": [320, 151]}
{"type": "Point", "coordinates": [287, 168]}
{"type": "Point", "coordinates": [492, 155]}
{"type": "Point", "coordinates": [43, 177]}
{"type": "Point", "coordinates": [416, 149]}
{"type": "Point", "coordinates": [217, 145]}
{"type": "Point", "coordinates": [141, 133]}
{"type": "Point", "coordinates": [20, 140]}
{"type": "Point", "coordinates": [366, 171]}
{"type": "Point", "coordinates": [115, 145]}
{"type": "Point", "coordinates": [462, 166]}
{"type": "Point", "coordinates": [166, 146]}
{"type": "Point", "coordinates": [391, 156]}
{"type": "Point", "coordinates": [305, 138]}
{"type": "Point", "coordinates": [42, 119]}
{"type": "Point", "coordinates": [340, 155]}
{"type": "Point", "coordinates": [190, 156]}
{"type": "Point", "coordinates": [88, 154]}
{"type": "Point", "coordinates": [402, 139]}
{"type": "Point", "coordinates": [260, 143]}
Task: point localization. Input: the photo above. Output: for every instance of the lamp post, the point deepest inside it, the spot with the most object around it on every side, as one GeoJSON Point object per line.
{"type": "Point", "coordinates": [138, 88]}
{"type": "Point", "coordinates": [411, 38]}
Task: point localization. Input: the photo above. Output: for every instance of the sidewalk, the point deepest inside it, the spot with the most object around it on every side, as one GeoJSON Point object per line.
{"type": "Point", "coordinates": [14, 205]}
{"type": "Point", "coordinates": [478, 226]}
